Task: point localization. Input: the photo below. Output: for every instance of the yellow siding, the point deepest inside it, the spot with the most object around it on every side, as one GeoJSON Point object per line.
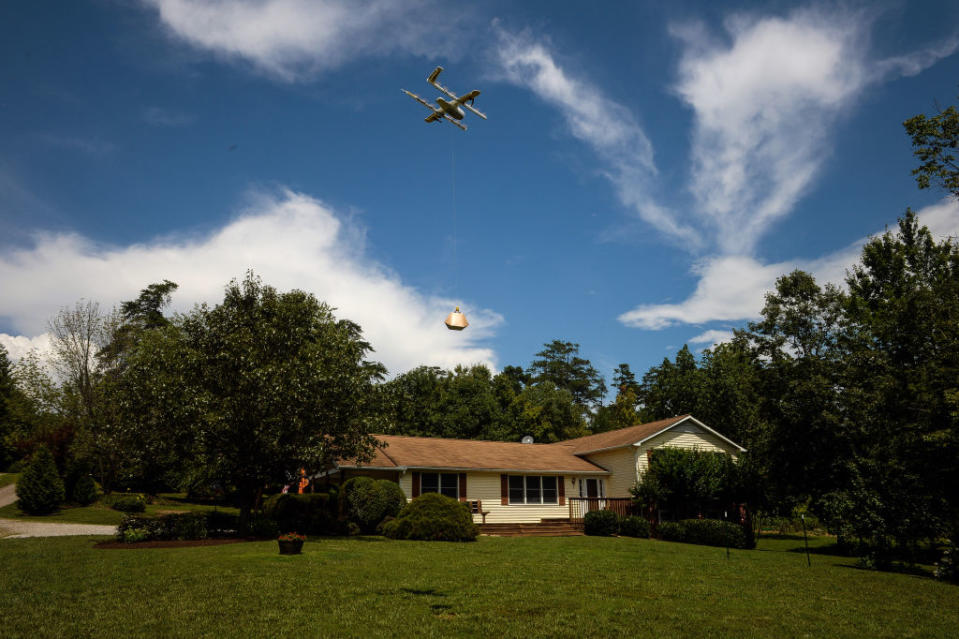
{"type": "Point", "coordinates": [621, 462]}
{"type": "Point", "coordinates": [700, 441]}
{"type": "Point", "coordinates": [486, 488]}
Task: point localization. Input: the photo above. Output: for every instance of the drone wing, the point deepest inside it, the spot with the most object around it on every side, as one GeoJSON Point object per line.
{"type": "Point", "coordinates": [469, 97]}
{"type": "Point", "coordinates": [420, 100]}
{"type": "Point", "coordinates": [432, 80]}
{"type": "Point", "coordinates": [462, 126]}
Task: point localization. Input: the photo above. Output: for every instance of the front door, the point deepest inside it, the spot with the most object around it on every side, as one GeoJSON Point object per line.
{"type": "Point", "coordinates": [592, 494]}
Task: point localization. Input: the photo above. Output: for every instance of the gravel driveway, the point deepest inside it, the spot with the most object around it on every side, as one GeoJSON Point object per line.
{"type": "Point", "coordinates": [14, 528]}
{"type": "Point", "coordinates": [8, 495]}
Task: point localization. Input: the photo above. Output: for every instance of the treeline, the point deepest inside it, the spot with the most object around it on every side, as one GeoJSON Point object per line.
{"type": "Point", "coordinates": [848, 399]}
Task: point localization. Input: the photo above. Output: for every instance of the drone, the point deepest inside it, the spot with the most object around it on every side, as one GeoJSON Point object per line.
{"type": "Point", "coordinates": [448, 110]}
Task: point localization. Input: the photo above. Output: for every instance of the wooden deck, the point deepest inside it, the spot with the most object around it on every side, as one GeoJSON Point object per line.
{"type": "Point", "coordinates": [545, 528]}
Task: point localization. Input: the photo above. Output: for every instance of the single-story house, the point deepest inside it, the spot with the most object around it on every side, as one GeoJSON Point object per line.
{"type": "Point", "coordinates": [519, 483]}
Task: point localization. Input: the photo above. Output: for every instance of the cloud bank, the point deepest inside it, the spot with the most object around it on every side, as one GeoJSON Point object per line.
{"type": "Point", "coordinates": [294, 40]}
{"type": "Point", "coordinates": [734, 287]}
{"type": "Point", "coordinates": [291, 240]}
{"type": "Point", "coordinates": [765, 99]}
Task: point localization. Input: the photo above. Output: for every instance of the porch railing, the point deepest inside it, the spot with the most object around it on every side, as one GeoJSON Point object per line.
{"type": "Point", "coordinates": [579, 506]}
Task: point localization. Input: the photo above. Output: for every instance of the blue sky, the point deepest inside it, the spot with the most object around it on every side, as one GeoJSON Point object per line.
{"type": "Point", "coordinates": [644, 175]}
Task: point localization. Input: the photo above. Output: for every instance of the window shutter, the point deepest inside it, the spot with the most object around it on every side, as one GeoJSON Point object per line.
{"type": "Point", "coordinates": [504, 489]}
{"type": "Point", "coordinates": [416, 485]}
{"type": "Point", "coordinates": [561, 482]}
{"type": "Point", "coordinates": [462, 486]}
{"type": "Point", "coordinates": [649, 456]}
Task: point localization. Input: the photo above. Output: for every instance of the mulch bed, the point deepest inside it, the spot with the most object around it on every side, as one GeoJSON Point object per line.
{"type": "Point", "coordinates": [177, 543]}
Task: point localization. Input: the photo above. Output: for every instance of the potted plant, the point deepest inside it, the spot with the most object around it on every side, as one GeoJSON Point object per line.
{"type": "Point", "coordinates": [291, 543]}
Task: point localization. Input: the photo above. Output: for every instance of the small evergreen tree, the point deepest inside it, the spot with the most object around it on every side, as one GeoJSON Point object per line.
{"type": "Point", "coordinates": [85, 491]}
{"type": "Point", "coordinates": [40, 489]}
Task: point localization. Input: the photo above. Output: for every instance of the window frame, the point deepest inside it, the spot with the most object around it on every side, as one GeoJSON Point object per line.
{"type": "Point", "coordinates": [439, 484]}
{"type": "Point", "coordinates": [541, 480]}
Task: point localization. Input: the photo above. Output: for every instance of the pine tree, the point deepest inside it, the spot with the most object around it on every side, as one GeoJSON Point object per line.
{"type": "Point", "coordinates": [40, 489]}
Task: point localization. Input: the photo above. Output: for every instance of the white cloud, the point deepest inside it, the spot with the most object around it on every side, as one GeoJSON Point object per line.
{"type": "Point", "coordinates": [296, 39]}
{"type": "Point", "coordinates": [765, 101]}
{"type": "Point", "coordinates": [734, 288]}
{"type": "Point", "coordinates": [19, 345]}
{"type": "Point", "coordinates": [291, 241]}
{"type": "Point", "coordinates": [712, 337]}
{"type": "Point", "coordinates": [609, 128]}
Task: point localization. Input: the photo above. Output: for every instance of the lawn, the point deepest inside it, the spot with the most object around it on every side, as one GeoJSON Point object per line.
{"type": "Point", "coordinates": [8, 478]}
{"type": "Point", "coordinates": [101, 514]}
{"type": "Point", "coordinates": [496, 587]}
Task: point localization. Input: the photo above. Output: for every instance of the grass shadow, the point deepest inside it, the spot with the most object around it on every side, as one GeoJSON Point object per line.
{"type": "Point", "coordinates": [431, 592]}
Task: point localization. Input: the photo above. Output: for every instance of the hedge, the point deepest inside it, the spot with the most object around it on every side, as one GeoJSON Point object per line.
{"type": "Point", "coordinates": [706, 532]}
{"type": "Point", "coordinates": [634, 526]}
{"type": "Point", "coordinates": [177, 526]}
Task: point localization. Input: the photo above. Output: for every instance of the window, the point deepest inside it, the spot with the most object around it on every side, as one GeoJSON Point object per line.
{"type": "Point", "coordinates": [443, 483]}
{"type": "Point", "coordinates": [533, 489]}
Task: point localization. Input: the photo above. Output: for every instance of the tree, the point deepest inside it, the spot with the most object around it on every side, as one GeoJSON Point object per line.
{"type": "Point", "coordinates": [935, 140]}
{"type": "Point", "coordinates": [7, 390]}
{"type": "Point", "coordinates": [547, 413]}
{"type": "Point", "coordinates": [561, 365]}
{"type": "Point", "coordinates": [40, 489]}
{"type": "Point", "coordinates": [624, 379]}
{"type": "Point", "coordinates": [266, 383]}
{"type": "Point", "coordinates": [671, 389]}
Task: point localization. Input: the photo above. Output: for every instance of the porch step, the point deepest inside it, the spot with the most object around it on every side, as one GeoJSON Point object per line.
{"type": "Point", "coordinates": [546, 528]}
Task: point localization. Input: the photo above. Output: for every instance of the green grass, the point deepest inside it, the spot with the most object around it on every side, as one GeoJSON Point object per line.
{"type": "Point", "coordinates": [8, 478]}
{"type": "Point", "coordinates": [99, 513]}
{"type": "Point", "coordinates": [496, 587]}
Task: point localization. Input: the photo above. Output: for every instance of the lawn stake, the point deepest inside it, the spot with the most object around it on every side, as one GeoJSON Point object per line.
{"type": "Point", "coordinates": [726, 519]}
{"type": "Point", "coordinates": [805, 539]}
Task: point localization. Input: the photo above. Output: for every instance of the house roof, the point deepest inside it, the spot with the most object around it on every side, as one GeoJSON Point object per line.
{"type": "Point", "coordinates": [402, 452]}
{"type": "Point", "coordinates": [619, 438]}
{"type": "Point", "coordinates": [466, 454]}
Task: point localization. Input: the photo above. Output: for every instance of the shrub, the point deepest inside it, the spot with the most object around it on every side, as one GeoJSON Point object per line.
{"type": "Point", "coordinates": [366, 502]}
{"type": "Point", "coordinates": [40, 489]}
{"type": "Point", "coordinates": [133, 535]}
{"type": "Point", "coordinates": [947, 568]}
{"type": "Point", "coordinates": [261, 527]}
{"type": "Point", "coordinates": [604, 523]}
{"type": "Point", "coordinates": [129, 504]}
{"type": "Point", "coordinates": [706, 532]}
{"type": "Point", "coordinates": [714, 532]}
{"type": "Point", "coordinates": [433, 517]}
{"type": "Point", "coordinates": [85, 491]}
{"type": "Point", "coordinates": [312, 513]}
{"type": "Point", "coordinates": [670, 531]}
{"type": "Point", "coordinates": [634, 527]}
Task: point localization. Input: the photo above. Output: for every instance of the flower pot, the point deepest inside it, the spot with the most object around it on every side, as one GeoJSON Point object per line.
{"type": "Point", "coordinates": [293, 547]}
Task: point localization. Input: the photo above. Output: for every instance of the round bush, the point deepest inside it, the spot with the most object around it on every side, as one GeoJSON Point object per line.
{"type": "Point", "coordinates": [366, 502]}
{"type": "Point", "coordinates": [433, 517]}
{"type": "Point", "coordinates": [85, 491]}
{"type": "Point", "coordinates": [604, 523]}
{"type": "Point", "coordinates": [634, 527]}
{"type": "Point", "coordinates": [40, 489]}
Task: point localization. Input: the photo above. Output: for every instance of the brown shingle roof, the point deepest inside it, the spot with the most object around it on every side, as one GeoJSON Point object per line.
{"type": "Point", "coordinates": [617, 438]}
{"type": "Point", "coordinates": [462, 454]}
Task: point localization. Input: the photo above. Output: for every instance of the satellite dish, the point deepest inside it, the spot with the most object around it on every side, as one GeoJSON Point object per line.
{"type": "Point", "coordinates": [527, 439]}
